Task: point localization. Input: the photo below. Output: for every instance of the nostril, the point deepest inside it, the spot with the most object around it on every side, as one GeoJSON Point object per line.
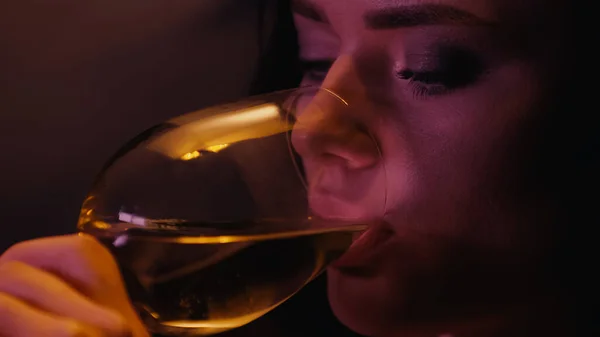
{"type": "Point", "coordinates": [359, 151]}
{"type": "Point", "coordinates": [355, 150]}
{"type": "Point", "coordinates": [328, 129]}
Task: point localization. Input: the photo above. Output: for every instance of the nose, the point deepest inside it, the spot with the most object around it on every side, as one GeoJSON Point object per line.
{"type": "Point", "coordinates": [332, 125]}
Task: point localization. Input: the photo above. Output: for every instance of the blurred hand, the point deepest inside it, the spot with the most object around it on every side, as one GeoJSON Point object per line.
{"type": "Point", "coordinates": [64, 286]}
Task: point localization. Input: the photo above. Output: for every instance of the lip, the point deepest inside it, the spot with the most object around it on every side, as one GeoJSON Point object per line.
{"type": "Point", "coordinates": [365, 249]}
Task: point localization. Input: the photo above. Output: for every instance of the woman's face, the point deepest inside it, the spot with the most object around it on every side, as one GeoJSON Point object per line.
{"type": "Point", "coordinates": [451, 90]}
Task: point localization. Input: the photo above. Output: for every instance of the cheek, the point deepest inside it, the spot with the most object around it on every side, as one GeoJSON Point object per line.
{"type": "Point", "coordinates": [443, 151]}
{"type": "Point", "coordinates": [399, 161]}
{"type": "Point", "coordinates": [472, 128]}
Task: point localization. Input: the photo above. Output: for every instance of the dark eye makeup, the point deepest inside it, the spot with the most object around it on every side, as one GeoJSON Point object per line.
{"type": "Point", "coordinates": [315, 71]}
{"type": "Point", "coordinates": [441, 71]}
{"type": "Point", "coordinates": [449, 68]}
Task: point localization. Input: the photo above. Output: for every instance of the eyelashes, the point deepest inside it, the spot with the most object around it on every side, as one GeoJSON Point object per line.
{"type": "Point", "coordinates": [453, 69]}
{"type": "Point", "coordinates": [450, 68]}
{"type": "Point", "coordinates": [429, 83]}
{"type": "Point", "coordinates": [315, 71]}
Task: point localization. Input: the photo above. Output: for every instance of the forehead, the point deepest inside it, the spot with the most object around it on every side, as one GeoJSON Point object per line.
{"type": "Point", "coordinates": [487, 10]}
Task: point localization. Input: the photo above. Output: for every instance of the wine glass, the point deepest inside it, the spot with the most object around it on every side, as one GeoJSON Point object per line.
{"type": "Point", "coordinates": [218, 216]}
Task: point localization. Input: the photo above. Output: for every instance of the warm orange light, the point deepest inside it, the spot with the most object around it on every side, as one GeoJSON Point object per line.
{"type": "Point", "coordinates": [196, 154]}
{"type": "Point", "coordinates": [191, 155]}
{"type": "Point", "coordinates": [216, 148]}
{"type": "Point", "coordinates": [213, 133]}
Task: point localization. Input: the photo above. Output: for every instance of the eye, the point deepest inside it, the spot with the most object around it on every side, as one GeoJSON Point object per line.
{"type": "Point", "coordinates": [315, 71]}
{"type": "Point", "coordinates": [453, 69]}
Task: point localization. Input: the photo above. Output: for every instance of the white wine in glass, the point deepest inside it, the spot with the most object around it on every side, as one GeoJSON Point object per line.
{"type": "Point", "coordinates": [209, 215]}
{"type": "Point", "coordinates": [185, 284]}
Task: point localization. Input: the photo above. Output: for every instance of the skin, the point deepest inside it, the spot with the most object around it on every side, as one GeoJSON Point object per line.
{"type": "Point", "coordinates": [466, 239]}
{"type": "Point", "coordinates": [64, 286]}
{"type": "Point", "coordinates": [440, 127]}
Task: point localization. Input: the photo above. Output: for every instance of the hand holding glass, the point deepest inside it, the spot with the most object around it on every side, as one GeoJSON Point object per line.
{"type": "Point", "coordinates": [218, 216]}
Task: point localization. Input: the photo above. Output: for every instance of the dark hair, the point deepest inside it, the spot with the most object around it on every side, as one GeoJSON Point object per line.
{"type": "Point", "coordinates": [576, 142]}
{"type": "Point", "coordinates": [565, 166]}
{"type": "Point", "coordinates": [279, 66]}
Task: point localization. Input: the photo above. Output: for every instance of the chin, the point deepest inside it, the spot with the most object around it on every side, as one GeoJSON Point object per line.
{"type": "Point", "coordinates": [365, 303]}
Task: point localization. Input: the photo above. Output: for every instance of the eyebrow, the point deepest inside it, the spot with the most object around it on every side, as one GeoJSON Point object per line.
{"type": "Point", "coordinates": [308, 10]}
{"type": "Point", "coordinates": [400, 17]}
{"type": "Point", "coordinates": [420, 15]}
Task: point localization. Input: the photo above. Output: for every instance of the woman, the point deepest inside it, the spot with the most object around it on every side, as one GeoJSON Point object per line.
{"type": "Point", "coordinates": [462, 96]}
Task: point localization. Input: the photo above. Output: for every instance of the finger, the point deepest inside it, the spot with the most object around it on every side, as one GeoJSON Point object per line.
{"type": "Point", "coordinates": [79, 259]}
{"type": "Point", "coordinates": [47, 292]}
{"type": "Point", "coordinates": [85, 264]}
{"type": "Point", "coordinates": [17, 319]}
